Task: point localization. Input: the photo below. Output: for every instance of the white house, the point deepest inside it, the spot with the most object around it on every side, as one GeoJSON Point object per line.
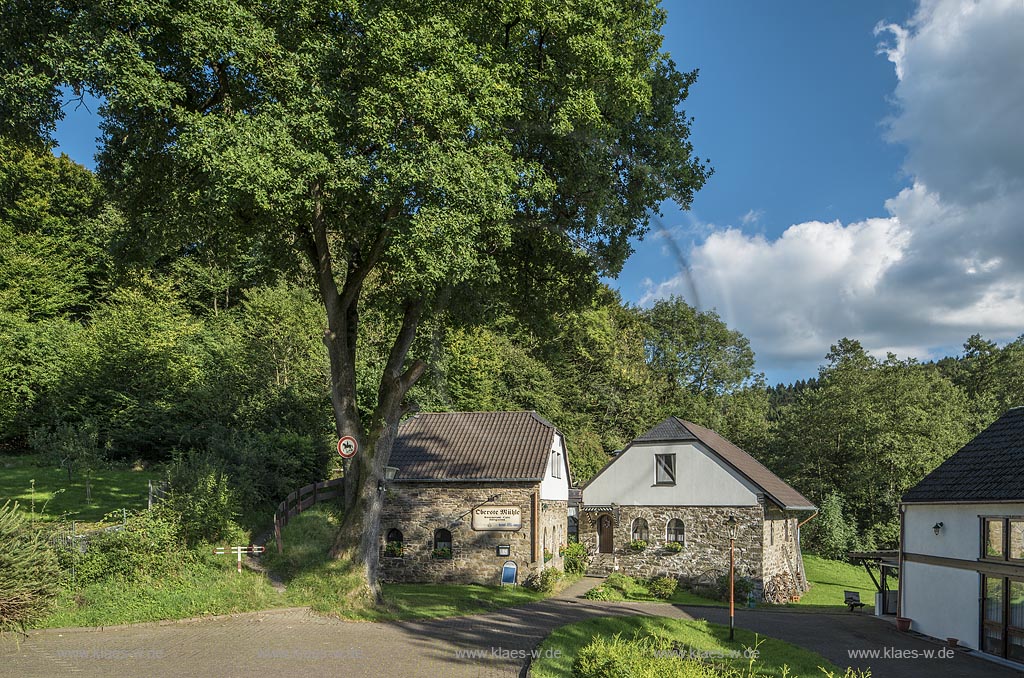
{"type": "Point", "coordinates": [962, 544]}
{"type": "Point", "coordinates": [674, 488]}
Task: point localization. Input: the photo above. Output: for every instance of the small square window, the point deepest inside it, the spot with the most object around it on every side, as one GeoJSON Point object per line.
{"type": "Point", "coordinates": [665, 465]}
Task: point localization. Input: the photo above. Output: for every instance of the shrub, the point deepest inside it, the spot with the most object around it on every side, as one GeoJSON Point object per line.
{"type": "Point", "coordinates": [831, 535]}
{"type": "Point", "coordinates": [601, 592]}
{"type": "Point", "coordinates": [662, 587]}
{"type": "Point", "coordinates": [29, 572]}
{"type": "Point", "coordinates": [149, 544]}
{"type": "Point", "coordinates": [442, 554]}
{"type": "Point", "coordinates": [637, 545]}
{"type": "Point", "coordinates": [202, 499]}
{"type": "Point", "coordinates": [673, 546]}
{"type": "Point", "coordinates": [742, 587]}
{"type": "Point", "coordinates": [622, 582]}
{"type": "Point", "coordinates": [548, 555]}
{"type": "Point", "coordinates": [546, 581]}
{"type": "Point", "coordinates": [645, 657]}
{"type": "Point", "coordinates": [576, 558]}
{"type": "Point", "coordinates": [393, 549]}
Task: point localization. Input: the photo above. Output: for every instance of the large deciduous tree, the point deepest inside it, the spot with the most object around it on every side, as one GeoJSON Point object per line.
{"type": "Point", "coordinates": [432, 159]}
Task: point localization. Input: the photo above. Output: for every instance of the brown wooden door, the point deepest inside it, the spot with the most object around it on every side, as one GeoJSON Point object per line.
{"type": "Point", "coordinates": [605, 543]}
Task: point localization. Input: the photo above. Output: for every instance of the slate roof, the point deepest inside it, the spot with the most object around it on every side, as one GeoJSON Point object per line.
{"type": "Point", "coordinates": [461, 446]}
{"type": "Point", "coordinates": [675, 429]}
{"type": "Point", "coordinates": [989, 468]}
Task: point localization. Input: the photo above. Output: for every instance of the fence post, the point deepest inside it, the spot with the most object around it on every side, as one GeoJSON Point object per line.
{"type": "Point", "coordinates": [150, 495]}
{"type": "Point", "coordinates": [277, 533]}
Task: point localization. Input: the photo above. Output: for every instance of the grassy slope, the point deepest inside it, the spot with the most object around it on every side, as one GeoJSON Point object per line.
{"type": "Point", "coordinates": [112, 489]}
{"type": "Point", "coordinates": [829, 578]}
{"type": "Point", "coordinates": [314, 579]}
{"type": "Point", "coordinates": [638, 591]}
{"type": "Point", "coordinates": [559, 649]}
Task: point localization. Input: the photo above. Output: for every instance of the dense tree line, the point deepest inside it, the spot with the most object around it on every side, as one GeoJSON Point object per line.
{"type": "Point", "coordinates": [102, 359]}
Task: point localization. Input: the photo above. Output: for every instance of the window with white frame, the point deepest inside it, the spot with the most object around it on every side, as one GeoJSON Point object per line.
{"type": "Point", "coordinates": [665, 469]}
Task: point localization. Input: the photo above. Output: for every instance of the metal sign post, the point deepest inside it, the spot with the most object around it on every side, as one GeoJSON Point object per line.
{"type": "Point", "coordinates": [239, 550]}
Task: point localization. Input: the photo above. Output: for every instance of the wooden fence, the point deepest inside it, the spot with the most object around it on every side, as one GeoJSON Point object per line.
{"type": "Point", "coordinates": [302, 499]}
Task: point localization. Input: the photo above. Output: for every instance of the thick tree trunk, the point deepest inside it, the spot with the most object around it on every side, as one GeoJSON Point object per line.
{"type": "Point", "coordinates": [358, 537]}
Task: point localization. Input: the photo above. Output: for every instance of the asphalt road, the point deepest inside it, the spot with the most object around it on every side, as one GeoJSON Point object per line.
{"type": "Point", "coordinates": [296, 642]}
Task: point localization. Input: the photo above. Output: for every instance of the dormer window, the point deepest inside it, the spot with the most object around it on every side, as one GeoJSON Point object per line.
{"type": "Point", "coordinates": [665, 469]}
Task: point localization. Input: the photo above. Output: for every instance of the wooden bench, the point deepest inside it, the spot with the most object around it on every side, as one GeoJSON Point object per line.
{"type": "Point", "coordinates": [852, 599]}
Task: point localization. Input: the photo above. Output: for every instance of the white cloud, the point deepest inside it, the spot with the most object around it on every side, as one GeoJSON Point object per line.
{"type": "Point", "coordinates": [947, 258]}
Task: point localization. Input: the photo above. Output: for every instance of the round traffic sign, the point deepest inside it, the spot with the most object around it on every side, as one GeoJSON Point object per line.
{"type": "Point", "coordinates": [347, 447]}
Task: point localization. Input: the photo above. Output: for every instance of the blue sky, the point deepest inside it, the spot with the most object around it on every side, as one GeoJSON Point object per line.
{"type": "Point", "coordinates": [869, 167]}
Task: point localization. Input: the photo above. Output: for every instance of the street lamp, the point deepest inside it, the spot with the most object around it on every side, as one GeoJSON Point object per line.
{"type": "Point", "coordinates": [734, 527]}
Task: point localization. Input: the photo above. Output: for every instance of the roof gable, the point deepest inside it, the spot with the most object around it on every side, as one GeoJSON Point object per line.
{"type": "Point", "coordinates": [675, 429]}
{"type": "Point", "coordinates": [434, 446]}
{"type": "Point", "coordinates": [988, 468]}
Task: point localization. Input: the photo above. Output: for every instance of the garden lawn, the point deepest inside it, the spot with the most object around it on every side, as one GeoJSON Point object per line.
{"type": "Point", "coordinates": [56, 498]}
{"type": "Point", "coordinates": [558, 651]}
{"type": "Point", "coordinates": [828, 580]}
{"type": "Point", "coordinates": [624, 588]}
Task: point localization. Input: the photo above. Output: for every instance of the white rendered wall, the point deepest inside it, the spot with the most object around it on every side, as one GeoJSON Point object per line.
{"type": "Point", "coordinates": [960, 536]}
{"type": "Point", "coordinates": [552, 488]}
{"type": "Point", "coordinates": [942, 602]}
{"type": "Point", "coordinates": [702, 479]}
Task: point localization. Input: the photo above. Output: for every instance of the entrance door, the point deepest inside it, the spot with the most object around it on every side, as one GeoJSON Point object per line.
{"type": "Point", "coordinates": [604, 534]}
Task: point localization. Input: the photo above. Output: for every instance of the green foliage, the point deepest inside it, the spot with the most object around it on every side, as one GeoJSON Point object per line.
{"type": "Point", "coordinates": [150, 544]}
{"type": "Point", "coordinates": [601, 592]}
{"type": "Point", "coordinates": [868, 431]}
{"type": "Point", "coordinates": [202, 500]}
{"type": "Point", "coordinates": [830, 534]}
{"type": "Point", "coordinates": [673, 546]}
{"type": "Point", "coordinates": [662, 587]}
{"type": "Point", "coordinates": [644, 657]}
{"type": "Point", "coordinates": [637, 545]}
{"type": "Point", "coordinates": [443, 553]}
{"type": "Point", "coordinates": [622, 582]}
{"type": "Point", "coordinates": [742, 587]}
{"type": "Point", "coordinates": [71, 446]}
{"type": "Point", "coordinates": [576, 558]}
{"type": "Point", "coordinates": [546, 581]}
{"type": "Point", "coordinates": [29, 571]}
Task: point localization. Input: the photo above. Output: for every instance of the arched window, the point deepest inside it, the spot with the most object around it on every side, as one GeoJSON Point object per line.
{"type": "Point", "coordinates": [442, 544]}
{"type": "Point", "coordinates": [675, 531]}
{"type": "Point", "coordinates": [641, 530]}
{"type": "Point", "coordinates": [393, 543]}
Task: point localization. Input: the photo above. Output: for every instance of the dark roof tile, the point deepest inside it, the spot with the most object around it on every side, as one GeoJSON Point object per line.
{"type": "Point", "coordinates": [988, 468]}
{"type": "Point", "coordinates": [473, 446]}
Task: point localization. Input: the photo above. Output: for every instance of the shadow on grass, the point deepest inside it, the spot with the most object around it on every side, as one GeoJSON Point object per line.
{"type": "Point", "coordinates": [332, 586]}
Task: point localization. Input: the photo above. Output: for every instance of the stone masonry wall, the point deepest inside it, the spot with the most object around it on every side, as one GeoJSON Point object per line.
{"type": "Point", "coordinates": [417, 509]}
{"type": "Point", "coordinates": [705, 554]}
{"type": "Point", "coordinates": [783, 563]}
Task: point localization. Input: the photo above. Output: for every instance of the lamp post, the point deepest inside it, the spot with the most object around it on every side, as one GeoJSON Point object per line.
{"type": "Point", "coordinates": [733, 526]}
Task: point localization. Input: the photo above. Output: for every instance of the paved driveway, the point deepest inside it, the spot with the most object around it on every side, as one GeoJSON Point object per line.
{"type": "Point", "coordinates": [296, 642]}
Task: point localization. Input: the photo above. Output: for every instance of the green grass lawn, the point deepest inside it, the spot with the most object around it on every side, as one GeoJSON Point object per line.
{"type": "Point", "coordinates": [828, 580]}
{"type": "Point", "coordinates": [635, 589]}
{"type": "Point", "coordinates": [56, 498]}
{"type": "Point", "coordinates": [559, 650]}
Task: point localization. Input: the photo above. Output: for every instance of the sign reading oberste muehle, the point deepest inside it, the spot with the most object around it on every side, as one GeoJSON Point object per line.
{"type": "Point", "coordinates": [497, 518]}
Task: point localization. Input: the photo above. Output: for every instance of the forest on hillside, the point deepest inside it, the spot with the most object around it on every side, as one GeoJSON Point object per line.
{"type": "Point", "coordinates": [194, 355]}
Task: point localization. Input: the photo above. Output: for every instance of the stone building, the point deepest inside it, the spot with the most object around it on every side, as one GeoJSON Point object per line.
{"type": "Point", "coordinates": [474, 491]}
{"type": "Point", "coordinates": [660, 507]}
